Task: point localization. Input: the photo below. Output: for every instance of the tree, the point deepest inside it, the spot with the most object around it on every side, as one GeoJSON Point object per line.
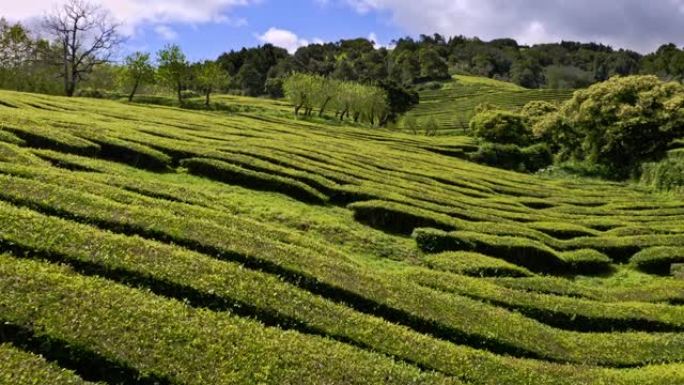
{"type": "Point", "coordinates": [137, 71]}
{"type": "Point", "coordinates": [432, 66]}
{"type": "Point", "coordinates": [209, 76]}
{"type": "Point", "coordinates": [502, 127]}
{"type": "Point", "coordinates": [619, 124]}
{"type": "Point", "coordinates": [86, 36]}
{"type": "Point", "coordinates": [173, 69]}
{"type": "Point", "coordinates": [250, 79]}
{"type": "Point", "coordinates": [16, 47]}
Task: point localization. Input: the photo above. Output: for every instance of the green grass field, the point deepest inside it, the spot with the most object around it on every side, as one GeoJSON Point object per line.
{"type": "Point", "coordinates": [452, 105]}
{"type": "Point", "coordinates": [146, 244]}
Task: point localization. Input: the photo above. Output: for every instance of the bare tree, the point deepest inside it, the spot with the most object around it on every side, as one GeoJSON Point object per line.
{"type": "Point", "coordinates": [85, 35]}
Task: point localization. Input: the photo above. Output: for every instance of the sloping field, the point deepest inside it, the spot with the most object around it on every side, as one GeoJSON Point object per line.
{"type": "Point", "coordinates": [152, 245]}
{"type": "Point", "coordinates": [453, 105]}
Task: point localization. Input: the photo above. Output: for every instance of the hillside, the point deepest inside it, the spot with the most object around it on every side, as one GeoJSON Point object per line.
{"type": "Point", "coordinates": [153, 245]}
{"type": "Point", "coordinates": [453, 104]}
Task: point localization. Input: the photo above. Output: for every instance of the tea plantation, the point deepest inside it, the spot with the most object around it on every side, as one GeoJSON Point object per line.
{"type": "Point", "coordinates": [452, 103]}
{"type": "Point", "coordinates": [153, 245]}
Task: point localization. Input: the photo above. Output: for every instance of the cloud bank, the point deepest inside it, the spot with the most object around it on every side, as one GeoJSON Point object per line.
{"type": "Point", "coordinates": [134, 13]}
{"type": "Point", "coordinates": [641, 25]}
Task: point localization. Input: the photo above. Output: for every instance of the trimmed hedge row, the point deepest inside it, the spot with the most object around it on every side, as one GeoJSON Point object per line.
{"type": "Point", "coordinates": [52, 139]}
{"type": "Point", "coordinates": [21, 368]}
{"type": "Point", "coordinates": [133, 154]}
{"type": "Point", "coordinates": [528, 253]}
{"type": "Point", "coordinates": [8, 137]}
{"type": "Point", "coordinates": [474, 264]}
{"type": "Point", "coordinates": [558, 311]}
{"type": "Point", "coordinates": [14, 154]}
{"type": "Point", "coordinates": [341, 278]}
{"type": "Point", "coordinates": [658, 260]}
{"type": "Point", "coordinates": [168, 340]}
{"type": "Point", "coordinates": [662, 291]}
{"type": "Point", "coordinates": [186, 275]}
{"type": "Point", "coordinates": [231, 174]}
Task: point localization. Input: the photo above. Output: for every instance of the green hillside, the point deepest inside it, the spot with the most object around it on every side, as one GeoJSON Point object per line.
{"type": "Point", "coordinates": [453, 105]}
{"type": "Point", "coordinates": [154, 245]}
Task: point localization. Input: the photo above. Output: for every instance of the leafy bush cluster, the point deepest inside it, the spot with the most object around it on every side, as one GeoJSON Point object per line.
{"type": "Point", "coordinates": [615, 126]}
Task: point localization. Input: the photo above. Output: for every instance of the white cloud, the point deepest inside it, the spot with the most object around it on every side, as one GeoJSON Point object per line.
{"type": "Point", "coordinates": [136, 12]}
{"type": "Point", "coordinates": [284, 39]}
{"type": "Point", "coordinates": [166, 32]}
{"type": "Point", "coordinates": [637, 24]}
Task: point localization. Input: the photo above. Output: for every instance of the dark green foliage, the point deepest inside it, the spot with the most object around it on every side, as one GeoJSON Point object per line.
{"type": "Point", "coordinates": [506, 156]}
{"type": "Point", "coordinates": [503, 127]}
{"type": "Point", "coordinates": [658, 260]}
{"type": "Point", "coordinates": [667, 175]}
{"type": "Point", "coordinates": [618, 124]}
{"type": "Point", "coordinates": [512, 157]}
{"type": "Point", "coordinates": [536, 157]}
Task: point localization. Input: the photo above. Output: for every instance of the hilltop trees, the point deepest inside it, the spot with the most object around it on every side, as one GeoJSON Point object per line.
{"type": "Point", "coordinates": [208, 77]}
{"type": "Point", "coordinates": [350, 100]}
{"type": "Point", "coordinates": [173, 69]}
{"type": "Point", "coordinates": [137, 70]}
{"type": "Point", "coordinates": [618, 124]}
{"type": "Point", "coordinates": [85, 36]}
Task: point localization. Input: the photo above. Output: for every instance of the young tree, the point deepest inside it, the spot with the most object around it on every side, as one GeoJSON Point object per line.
{"type": "Point", "coordinates": [16, 47]}
{"type": "Point", "coordinates": [137, 71]}
{"type": "Point", "coordinates": [86, 36]}
{"type": "Point", "coordinates": [209, 76]}
{"type": "Point", "coordinates": [432, 66]}
{"type": "Point", "coordinates": [173, 69]}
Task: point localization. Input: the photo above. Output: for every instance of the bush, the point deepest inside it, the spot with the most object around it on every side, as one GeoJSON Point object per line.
{"type": "Point", "coordinates": [506, 156]}
{"type": "Point", "coordinates": [620, 123]}
{"type": "Point", "coordinates": [537, 157]}
{"type": "Point", "coordinates": [537, 109]}
{"type": "Point", "coordinates": [503, 127]}
{"type": "Point", "coordinates": [512, 157]}
{"type": "Point", "coordinates": [667, 175]}
{"type": "Point", "coordinates": [92, 93]}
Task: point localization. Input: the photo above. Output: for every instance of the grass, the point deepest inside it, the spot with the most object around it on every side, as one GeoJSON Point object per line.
{"type": "Point", "coordinates": [150, 244]}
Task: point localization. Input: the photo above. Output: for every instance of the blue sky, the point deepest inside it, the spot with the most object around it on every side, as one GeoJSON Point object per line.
{"type": "Point", "coordinates": [206, 28]}
{"type": "Point", "coordinates": [309, 20]}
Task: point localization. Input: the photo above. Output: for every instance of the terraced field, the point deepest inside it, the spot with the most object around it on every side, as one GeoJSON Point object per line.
{"type": "Point", "coordinates": [152, 245]}
{"type": "Point", "coordinates": [453, 105]}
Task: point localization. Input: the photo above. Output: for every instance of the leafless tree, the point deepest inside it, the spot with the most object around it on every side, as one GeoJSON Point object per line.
{"type": "Point", "coordinates": [86, 36]}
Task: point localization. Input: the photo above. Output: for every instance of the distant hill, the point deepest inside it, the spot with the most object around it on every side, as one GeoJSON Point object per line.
{"type": "Point", "coordinates": [452, 105]}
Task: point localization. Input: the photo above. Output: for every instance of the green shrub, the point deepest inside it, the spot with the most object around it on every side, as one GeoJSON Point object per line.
{"type": "Point", "coordinates": [667, 175]}
{"type": "Point", "coordinates": [512, 157]}
{"type": "Point", "coordinates": [658, 260]}
{"type": "Point", "coordinates": [503, 127]}
{"type": "Point", "coordinates": [619, 123]}
{"type": "Point", "coordinates": [505, 156]}
{"type": "Point", "coordinates": [536, 157]}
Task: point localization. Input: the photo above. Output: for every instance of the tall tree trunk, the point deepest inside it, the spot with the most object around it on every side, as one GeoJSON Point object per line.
{"type": "Point", "coordinates": [356, 117]}
{"type": "Point", "coordinates": [180, 95]}
{"type": "Point", "coordinates": [325, 104]}
{"type": "Point", "coordinates": [206, 102]}
{"type": "Point", "coordinates": [346, 110]}
{"type": "Point", "coordinates": [134, 90]}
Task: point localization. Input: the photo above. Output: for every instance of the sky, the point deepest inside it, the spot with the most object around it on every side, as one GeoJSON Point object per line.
{"type": "Point", "coordinates": [207, 28]}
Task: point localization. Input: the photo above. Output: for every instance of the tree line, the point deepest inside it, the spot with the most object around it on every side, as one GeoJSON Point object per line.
{"type": "Point", "coordinates": [348, 100]}
{"type": "Point", "coordinates": [80, 39]}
